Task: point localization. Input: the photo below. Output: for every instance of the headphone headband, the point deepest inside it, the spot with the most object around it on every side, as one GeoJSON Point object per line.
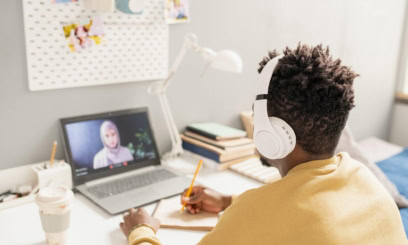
{"type": "Point", "coordinates": [266, 75]}
{"type": "Point", "coordinates": [261, 97]}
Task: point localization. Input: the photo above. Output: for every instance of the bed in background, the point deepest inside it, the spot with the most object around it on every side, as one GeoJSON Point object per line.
{"type": "Point", "coordinates": [393, 161]}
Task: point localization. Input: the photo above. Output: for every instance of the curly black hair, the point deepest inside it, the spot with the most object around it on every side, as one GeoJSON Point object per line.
{"type": "Point", "coordinates": [313, 93]}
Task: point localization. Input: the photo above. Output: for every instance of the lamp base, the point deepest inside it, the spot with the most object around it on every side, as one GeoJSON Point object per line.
{"type": "Point", "coordinates": [185, 163]}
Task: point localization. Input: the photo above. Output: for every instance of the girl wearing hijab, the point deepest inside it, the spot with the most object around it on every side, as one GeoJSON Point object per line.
{"type": "Point", "coordinates": [113, 152]}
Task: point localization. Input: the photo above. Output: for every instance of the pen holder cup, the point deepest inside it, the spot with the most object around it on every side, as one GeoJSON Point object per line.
{"type": "Point", "coordinates": [57, 174]}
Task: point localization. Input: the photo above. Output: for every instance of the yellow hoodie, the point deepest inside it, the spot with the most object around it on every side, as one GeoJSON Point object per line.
{"type": "Point", "coordinates": [334, 201]}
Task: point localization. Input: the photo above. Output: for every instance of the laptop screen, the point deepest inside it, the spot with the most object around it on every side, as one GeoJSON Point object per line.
{"type": "Point", "coordinates": [108, 143]}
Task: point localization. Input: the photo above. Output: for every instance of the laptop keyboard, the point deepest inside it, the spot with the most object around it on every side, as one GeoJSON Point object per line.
{"type": "Point", "coordinates": [129, 183]}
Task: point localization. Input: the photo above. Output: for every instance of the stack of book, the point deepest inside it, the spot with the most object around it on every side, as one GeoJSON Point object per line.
{"type": "Point", "coordinates": [220, 146]}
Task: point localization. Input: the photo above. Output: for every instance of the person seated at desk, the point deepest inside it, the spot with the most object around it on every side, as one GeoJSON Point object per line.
{"type": "Point", "coordinates": [323, 197]}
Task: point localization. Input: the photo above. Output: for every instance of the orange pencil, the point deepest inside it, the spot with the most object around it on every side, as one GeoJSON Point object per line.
{"type": "Point", "coordinates": [54, 149]}
{"type": "Point", "coordinates": [192, 183]}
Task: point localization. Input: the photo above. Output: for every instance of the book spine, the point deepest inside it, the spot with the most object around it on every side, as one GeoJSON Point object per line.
{"type": "Point", "coordinates": [201, 138]}
{"type": "Point", "coordinates": [208, 163]}
{"type": "Point", "coordinates": [201, 151]}
{"type": "Point", "coordinates": [206, 134]}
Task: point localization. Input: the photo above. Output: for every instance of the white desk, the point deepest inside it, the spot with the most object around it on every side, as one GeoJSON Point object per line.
{"type": "Point", "coordinates": [92, 225]}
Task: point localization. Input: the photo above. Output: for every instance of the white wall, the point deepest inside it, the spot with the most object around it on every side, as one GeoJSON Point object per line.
{"type": "Point", "coordinates": [365, 33]}
{"type": "Point", "coordinates": [373, 46]}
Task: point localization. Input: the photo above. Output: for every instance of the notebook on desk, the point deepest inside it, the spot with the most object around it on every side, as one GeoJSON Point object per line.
{"type": "Point", "coordinates": [216, 131]}
{"type": "Point", "coordinates": [168, 212]}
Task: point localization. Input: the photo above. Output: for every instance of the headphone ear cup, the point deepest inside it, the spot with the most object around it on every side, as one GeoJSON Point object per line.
{"type": "Point", "coordinates": [273, 137]}
{"type": "Point", "coordinates": [265, 138]}
{"type": "Point", "coordinates": [286, 135]}
{"type": "Point", "coordinates": [266, 143]}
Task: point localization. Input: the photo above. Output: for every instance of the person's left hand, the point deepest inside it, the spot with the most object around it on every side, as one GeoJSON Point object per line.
{"type": "Point", "coordinates": [138, 217]}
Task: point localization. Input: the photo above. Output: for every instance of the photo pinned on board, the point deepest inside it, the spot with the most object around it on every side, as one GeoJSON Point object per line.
{"type": "Point", "coordinates": [64, 1]}
{"type": "Point", "coordinates": [83, 36]}
{"type": "Point", "coordinates": [176, 11]}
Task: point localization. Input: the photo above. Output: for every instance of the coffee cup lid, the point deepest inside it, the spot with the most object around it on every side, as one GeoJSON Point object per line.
{"type": "Point", "coordinates": [54, 196]}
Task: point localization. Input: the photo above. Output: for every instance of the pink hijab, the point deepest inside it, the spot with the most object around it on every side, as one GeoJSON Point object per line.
{"type": "Point", "coordinates": [108, 156]}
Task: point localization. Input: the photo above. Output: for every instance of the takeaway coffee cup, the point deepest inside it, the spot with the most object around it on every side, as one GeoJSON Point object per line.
{"type": "Point", "coordinates": [55, 208]}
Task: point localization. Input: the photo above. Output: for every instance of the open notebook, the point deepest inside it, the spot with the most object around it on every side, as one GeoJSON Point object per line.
{"type": "Point", "coordinates": [168, 212]}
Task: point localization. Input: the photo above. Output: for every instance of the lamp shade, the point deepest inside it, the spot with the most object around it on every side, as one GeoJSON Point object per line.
{"type": "Point", "coordinates": [227, 60]}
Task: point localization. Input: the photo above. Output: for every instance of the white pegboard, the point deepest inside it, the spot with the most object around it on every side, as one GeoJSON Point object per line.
{"type": "Point", "coordinates": [135, 47]}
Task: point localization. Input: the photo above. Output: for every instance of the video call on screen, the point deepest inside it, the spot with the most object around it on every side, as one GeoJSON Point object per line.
{"type": "Point", "coordinates": [109, 143]}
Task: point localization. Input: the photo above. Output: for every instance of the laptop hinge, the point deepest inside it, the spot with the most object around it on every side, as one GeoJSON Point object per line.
{"type": "Point", "coordinates": [119, 176]}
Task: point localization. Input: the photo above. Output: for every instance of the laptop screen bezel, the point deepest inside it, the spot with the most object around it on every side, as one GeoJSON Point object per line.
{"type": "Point", "coordinates": [79, 180]}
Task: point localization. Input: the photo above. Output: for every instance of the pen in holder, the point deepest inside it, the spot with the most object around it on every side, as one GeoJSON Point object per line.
{"type": "Point", "coordinates": [56, 174]}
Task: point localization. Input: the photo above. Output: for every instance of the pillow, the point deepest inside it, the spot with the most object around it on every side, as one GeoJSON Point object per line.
{"type": "Point", "coordinates": [348, 144]}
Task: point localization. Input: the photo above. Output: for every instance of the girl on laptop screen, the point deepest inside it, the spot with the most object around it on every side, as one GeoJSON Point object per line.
{"type": "Point", "coordinates": [112, 152]}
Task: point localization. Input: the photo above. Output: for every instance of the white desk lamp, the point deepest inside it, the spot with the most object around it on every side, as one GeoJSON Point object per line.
{"type": "Point", "coordinates": [226, 60]}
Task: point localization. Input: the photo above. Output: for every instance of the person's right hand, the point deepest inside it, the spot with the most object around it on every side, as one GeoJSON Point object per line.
{"type": "Point", "coordinates": [203, 198]}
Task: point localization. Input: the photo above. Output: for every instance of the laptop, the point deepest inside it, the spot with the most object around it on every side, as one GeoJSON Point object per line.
{"type": "Point", "coordinates": [115, 161]}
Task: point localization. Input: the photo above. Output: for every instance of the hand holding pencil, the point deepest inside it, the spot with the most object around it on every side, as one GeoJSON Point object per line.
{"type": "Point", "coordinates": [192, 183]}
{"type": "Point", "coordinates": [197, 198]}
{"type": "Point", "coordinates": [205, 199]}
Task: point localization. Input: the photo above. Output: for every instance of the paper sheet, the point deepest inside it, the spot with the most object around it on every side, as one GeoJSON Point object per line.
{"type": "Point", "coordinates": [168, 212]}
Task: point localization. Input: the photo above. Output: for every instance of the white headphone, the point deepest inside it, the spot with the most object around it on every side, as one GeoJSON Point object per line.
{"type": "Point", "coordinates": [273, 137]}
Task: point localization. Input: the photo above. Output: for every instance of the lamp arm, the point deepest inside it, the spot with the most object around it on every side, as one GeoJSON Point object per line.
{"type": "Point", "coordinates": [166, 113]}
{"type": "Point", "coordinates": [177, 148]}
{"type": "Point", "coordinates": [190, 42]}
{"type": "Point", "coordinates": [159, 89]}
